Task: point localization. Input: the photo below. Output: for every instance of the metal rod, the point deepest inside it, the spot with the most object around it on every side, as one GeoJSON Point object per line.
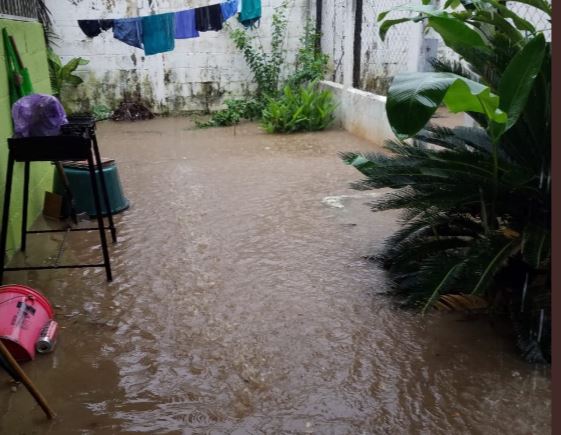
{"type": "Point", "coordinates": [103, 187]}
{"type": "Point", "coordinates": [26, 381]}
{"type": "Point", "coordinates": [26, 175]}
{"type": "Point", "coordinates": [70, 266]}
{"type": "Point", "coordinates": [6, 214]}
{"type": "Point", "coordinates": [100, 223]}
{"type": "Point", "coordinates": [63, 231]}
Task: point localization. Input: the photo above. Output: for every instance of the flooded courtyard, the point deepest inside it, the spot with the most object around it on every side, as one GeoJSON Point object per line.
{"type": "Point", "coordinates": [243, 302]}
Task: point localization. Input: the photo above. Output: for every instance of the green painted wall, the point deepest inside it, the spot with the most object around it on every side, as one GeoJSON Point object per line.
{"type": "Point", "coordinates": [31, 45]}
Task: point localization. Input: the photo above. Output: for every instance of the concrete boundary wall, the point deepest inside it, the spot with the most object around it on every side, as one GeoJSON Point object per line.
{"type": "Point", "coordinates": [196, 76]}
{"type": "Point", "coordinates": [361, 113]}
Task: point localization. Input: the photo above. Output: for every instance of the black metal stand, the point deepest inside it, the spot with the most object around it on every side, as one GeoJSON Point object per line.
{"type": "Point", "coordinates": [85, 126]}
{"type": "Point", "coordinates": [56, 148]}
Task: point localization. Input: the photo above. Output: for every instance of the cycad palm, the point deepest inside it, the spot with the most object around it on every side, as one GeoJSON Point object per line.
{"type": "Point", "coordinates": [476, 216]}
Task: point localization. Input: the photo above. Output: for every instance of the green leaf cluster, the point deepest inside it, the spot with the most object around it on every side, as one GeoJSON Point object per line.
{"type": "Point", "coordinates": [476, 201]}
{"type": "Point", "coordinates": [63, 74]}
{"type": "Point", "coordinates": [265, 65]}
{"type": "Point", "coordinates": [236, 111]}
{"type": "Point", "coordinates": [273, 89]}
{"type": "Point", "coordinates": [304, 108]}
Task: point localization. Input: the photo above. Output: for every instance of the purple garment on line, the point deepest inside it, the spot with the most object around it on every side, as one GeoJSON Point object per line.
{"type": "Point", "coordinates": [185, 26]}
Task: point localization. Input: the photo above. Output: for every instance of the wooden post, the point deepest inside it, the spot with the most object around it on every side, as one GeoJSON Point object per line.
{"type": "Point", "coordinates": [26, 381]}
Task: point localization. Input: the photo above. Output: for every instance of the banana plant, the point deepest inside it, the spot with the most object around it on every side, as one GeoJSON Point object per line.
{"type": "Point", "coordinates": [413, 98]}
{"type": "Point", "coordinates": [63, 74]}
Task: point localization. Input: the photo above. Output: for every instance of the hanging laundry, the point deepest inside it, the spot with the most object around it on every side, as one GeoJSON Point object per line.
{"type": "Point", "coordinates": [208, 18]}
{"type": "Point", "coordinates": [106, 24]}
{"type": "Point", "coordinates": [91, 28]}
{"type": "Point", "coordinates": [229, 9]}
{"type": "Point", "coordinates": [129, 31]}
{"type": "Point", "coordinates": [158, 33]}
{"type": "Point", "coordinates": [185, 26]}
{"type": "Point", "coordinates": [250, 13]}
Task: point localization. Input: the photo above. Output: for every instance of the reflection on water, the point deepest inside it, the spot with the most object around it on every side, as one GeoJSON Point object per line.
{"type": "Point", "coordinates": [242, 304]}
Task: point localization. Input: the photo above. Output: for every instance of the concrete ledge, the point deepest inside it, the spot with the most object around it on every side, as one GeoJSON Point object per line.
{"type": "Point", "coordinates": [361, 113]}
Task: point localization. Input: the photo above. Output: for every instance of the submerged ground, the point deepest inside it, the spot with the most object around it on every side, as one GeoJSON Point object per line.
{"type": "Point", "coordinates": [242, 303]}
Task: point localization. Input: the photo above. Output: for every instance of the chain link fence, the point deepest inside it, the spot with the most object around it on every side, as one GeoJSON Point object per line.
{"type": "Point", "coordinates": [406, 47]}
{"type": "Point", "coordinates": [381, 60]}
{"type": "Point", "coordinates": [539, 19]}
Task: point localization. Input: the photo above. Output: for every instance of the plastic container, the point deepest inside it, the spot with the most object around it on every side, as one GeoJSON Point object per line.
{"type": "Point", "coordinates": [81, 187]}
{"type": "Point", "coordinates": [23, 314]}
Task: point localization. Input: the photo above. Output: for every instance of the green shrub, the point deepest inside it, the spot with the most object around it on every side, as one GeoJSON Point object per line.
{"type": "Point", "coordinates": [311, 63]}
{"type": "Point", "coordinates": [302, 109]}
{"type": "Point", "coordinates": [265, 65]}
{"type": "Point", "coordinates": [235, 111]}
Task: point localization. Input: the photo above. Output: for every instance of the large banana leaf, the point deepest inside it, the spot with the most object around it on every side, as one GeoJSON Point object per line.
{"type": "Point", "coordinates": [518, 80]}
{"type": "Point", "coordinates": [454, 31]}
{"type": "Point", "coordinates": [414, 97]}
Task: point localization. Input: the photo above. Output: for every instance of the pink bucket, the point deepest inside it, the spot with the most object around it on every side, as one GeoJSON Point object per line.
{"type": "Point", "coordinates": [23, 313]}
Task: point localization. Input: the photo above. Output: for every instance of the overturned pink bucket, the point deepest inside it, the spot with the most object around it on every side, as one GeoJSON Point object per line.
{"type": "Point", "coordinates": [23, 314]}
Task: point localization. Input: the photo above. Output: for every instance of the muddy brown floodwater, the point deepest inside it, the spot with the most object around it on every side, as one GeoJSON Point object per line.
{"type": "Point", "coordinates": [242, 303]}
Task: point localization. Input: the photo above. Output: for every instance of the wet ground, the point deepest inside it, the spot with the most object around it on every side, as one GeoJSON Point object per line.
{"type": "Point", "coordinates": [242, 303]}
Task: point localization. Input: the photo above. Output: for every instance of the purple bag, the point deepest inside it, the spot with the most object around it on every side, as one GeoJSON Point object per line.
{"type": "Point", "coordinates": [38, 115]}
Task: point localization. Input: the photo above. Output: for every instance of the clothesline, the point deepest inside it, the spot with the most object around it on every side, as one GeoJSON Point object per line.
{"type": "Point", "coordinates": [157, 33]}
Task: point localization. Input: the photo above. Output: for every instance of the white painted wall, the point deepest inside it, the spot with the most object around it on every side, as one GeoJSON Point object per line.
{"type": "Point", "coordinates": [361, 113]}
{"type": "Point", "coordinates": [197, 75]}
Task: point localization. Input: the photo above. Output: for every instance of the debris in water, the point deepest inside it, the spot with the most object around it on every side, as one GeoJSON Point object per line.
{"type": "Point", "coordinates": [337, 201]}
{"type": "Point", "coordinates": [132, 111]}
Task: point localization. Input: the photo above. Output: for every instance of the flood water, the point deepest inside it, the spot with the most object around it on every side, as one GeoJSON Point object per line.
{"type": "Point", "coordinates": [242, 303]}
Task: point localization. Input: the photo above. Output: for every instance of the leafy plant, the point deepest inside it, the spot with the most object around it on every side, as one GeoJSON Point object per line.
{"type": "Point", "coordinates": [101, 112]}
{"type": "Point", "coordinates": [265, 65]}
{"type": "Point", "coordinates": [62, 75]}
{"type": "Point", "coordinates": [476, 201]}
{"type": "Point", "coordinates": [311, 63]}
{"type": "Point", "coordinates": [235, 111]}
{"type": "Point", "coordinates": [301, 109]}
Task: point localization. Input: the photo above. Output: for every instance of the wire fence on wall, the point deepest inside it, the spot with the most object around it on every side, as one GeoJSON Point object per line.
{"type": "Point", "coordinates": [381, 60]}
{"type": "Point", "coordinates": [539, 19]}
{"type": "Point", "coordinates": [405, 48]}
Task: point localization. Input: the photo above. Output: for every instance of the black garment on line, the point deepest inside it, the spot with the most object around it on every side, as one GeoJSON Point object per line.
{"type": "Point", "coordinates": [90, 27]}
{"type": "Point", "coordinates": [208, 18]}
{"type": "Point", "coordinates": [93, 28]}
{"type": "Point", "coordinates": [106, 24]}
